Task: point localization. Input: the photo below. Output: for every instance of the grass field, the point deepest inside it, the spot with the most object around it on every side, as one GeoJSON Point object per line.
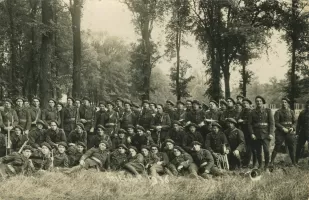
{"type": "Point", "coordinates": [294, 184]}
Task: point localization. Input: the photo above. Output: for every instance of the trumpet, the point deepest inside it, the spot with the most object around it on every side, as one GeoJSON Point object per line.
{"type": "Point", "coordinates": [254, 175]}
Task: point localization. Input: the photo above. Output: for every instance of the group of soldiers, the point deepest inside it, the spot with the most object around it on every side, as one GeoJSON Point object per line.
{"type": "Point", "coordinates": [186, 138]}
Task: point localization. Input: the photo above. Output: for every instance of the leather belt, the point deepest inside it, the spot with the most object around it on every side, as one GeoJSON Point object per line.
{"type": "Point", "coordinates": [261, 124]}
{"type": "Point", "coordinates": [286, 123]}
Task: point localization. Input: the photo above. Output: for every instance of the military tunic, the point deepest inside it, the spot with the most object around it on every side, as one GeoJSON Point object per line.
{"type": "Point", "coordinates": [163, 120]}
{"type": "Point", "coordinates": [24, 118]}
{"type": "Point", "coordinates": [75, 137]}
{"type": "Point", "coordinates": [145, 118]}
{"type": "Point", "coordinates": [127, 118]}
{"type": "Point", "coordinates": [9, 116]}
{"type": "Point", "coordinates": [215, 141]}
{"type": "Point", "coordinates": [53, 137]}
{"type": "Point", "coordinates": [36, 114]}
{"type": "Point", "coordinates": [118, 160]}
{"type": "Point", "coordinates": [69, 119]}
{"type": "Point", "coordinates": [37, 137]}
{"type": "Point", "coordinates": [87, 113]}
{"type": "Point", "coordinates": [96, 157]}
{"type": "Point", "coordinates": [49, 115]}
{"type": "Point", "coordinates": [61, 160]}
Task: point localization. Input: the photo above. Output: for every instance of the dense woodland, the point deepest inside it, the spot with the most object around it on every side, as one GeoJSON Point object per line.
{"type": "Point", "coordinates": [45, 53]}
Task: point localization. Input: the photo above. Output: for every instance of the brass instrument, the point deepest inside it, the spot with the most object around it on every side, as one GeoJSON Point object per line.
{"type": "Point", "coordinates": [254, 175]}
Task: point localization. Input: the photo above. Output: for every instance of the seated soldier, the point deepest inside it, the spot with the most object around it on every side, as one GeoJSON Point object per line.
{"type": "Point", "coordinates": [182, 163]}
{"type": "Point", "coordinates": [203, 160]}
{"type": "Point", "coordinates": [169, 149]}
{"type": "Point", "coordinates": [177, 134]}
{"type": "Point", "coordinates": [191, 135]}
{"type": "Point", "coordinates": [131, 133]}
{"type": "Point", "coordinates": [96, 157]}
{"type": "Point", "coordinates": [120, 139]}
{"type": "Point", "coordinates": [149, 158]}
{"type": "Point", "coordinates": [135, 164]}
{"type": "Point", "coordinates": [161, 165]}
{"type": "Point", "coordinates": [78, 135]}
{"type": "Point", "coordinates": [236, 141]}
{"type": "Point", "coordinates": [141, 138]}
{"type": "Point", "coordinates": [37, 135]}
{"type": "Point", "coordinates": [41, 157]}
{"type": "Point", "coordinates": [216, 142]}
{"type": "Point", "coordinates": [18, 138]}
{"type": "Point", "coordinates": [101, 136]}
{"type": "Point", "coordinates": [75, 153]}
{"type": "Point", "coordinates": [60, 157]}
{"type": "Point", "coordinates": [55, 134]}
{"type": "Point", "coordinates": [17, 163]}
{"type": "Point", "coordinates": [119, 157]}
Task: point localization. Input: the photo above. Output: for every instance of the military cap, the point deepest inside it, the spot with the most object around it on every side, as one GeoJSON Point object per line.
{"type": "Point", "coordinates": [37, 98]}
{"type": "Point", "coordinates": [138, 127]}
{"type": "Point", "coordinates": [222, 101]}
{"type": "Point", "coordinates": [103, 142]}
{"type": "Point", "coordinates": [179, 148]}
{"type": "Point", "coordinates": [176, 122]}
{"type": "Point", "coordinates": [9, 101]}
{"type": "Point", "coordinates": [62, 144]}
{"type": "Point", "coordinates": [71, 98]}
{"type": "Point", "coordinates": [81, 144]}
{"type": "Point", "coordinates": [27, 147]}
{"type": "Point", "coordinates": [127, 102]}
{"type": "Point", "coordinates": [122, 131]}
{"type": "Point", "coordinates": [232, 120]}
{"type": "Point", "coordinates": [54, 100]}
{"type": "Point", "coordinates": [19, 127]}
{"type": "Point", "coordinates": [170, 102]}
{"type": "Point", "coordinates": [110, 102]}
{"type": "Point", "coordinates": [216, 124]}
{"type": "Point", "coordinates": [123, 146]}
{"type": "Point", "coordinates": [101, 102]}
{"type": "Point", "coordinates": [180, 102]}
{"type": "Point", "coordinates": [133, 147]}
{"type": "Point", "coordinates": [159, 104]}
{"type": "Point", "coordinates": [241, 96]}
{"type": "Point", "coordinates": [192, 124]}
{"type": "Point", "coordinates": [169, 140]}
{"type": "Point", "coordinates": [46, 145]}
{"type": "Point", "coordinates": [101, 127]}
{"type": "Point", "coordinates": [55, 121]}
{"type": "Point", "coordinates": [59, 103]}
{"type": "Point", "coordinates": [41, 122]}
{"type": "Point", "coordinates": [231, 100]}
{"type": "Point", "coordinates": [146, 101]}
{"type": "Point", "coordinates": [87, 98]}
{"type": "Point", "coordinates": [155, 105]}
{"type": "Point", "coordinates": [213, 101]}
{"type": "Point", "coordinates": [260, 97]}
{"type": "Point", "coordinates": [247, 100]}
{"type": "Point", "coordinates": [80, 125]}
{"type": "Point", "coordinates": [78, 100]}
{"type": "Point", "coordinates": [155, 145]}
{"type": "Point", "coordinates": [130, 126]}
{"type": "Point", "coordinates": [196, 102]}
{"type": "Point", "coordinates": [135, 105]}
{"type": "Point", "coordinates": [189, 100]}
{"type": "Point", "coordinates": [145, 147]}
{"type": "Point", "coordinates": [286, 99]}
{"type": "Point", "coordinates": [19, 98]}
{"type": "Point", "coordinates": [196, 143]}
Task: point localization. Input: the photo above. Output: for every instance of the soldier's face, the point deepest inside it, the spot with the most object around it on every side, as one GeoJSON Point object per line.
{"type": "Point", "coordinates": [36, 102]}
{"type": "Point", "coordinates": [177, 152]}
{"type": "Point", "coordinates": [230, 103]}
{"type": "Point", "coordinates": [145, 152]}
{"type": "Point", "coordinates": [77, 104]}
{"type": "Point", "coordinates": [231, 125]}
{"type": "Point", "coordinates": [119, 103]}
{"type": "Point", "coordinates": [196, 147]}
{"type": "Point", "coordinates": [86, 102]}
{"type": "Point", "coordinates": [45, 150]}
{"type": "Point", "coordinates": [192, 129]}
{"type": "Point", "coordinates": [169, 145]}
{"type": "Point", "coordinates": [102, 107]}
{"type": "Point", "coordinates": [146, 105]}
{"type": "Point", "coordinates": [19, 102]}
{"type": "Point", "coordinates": [176, 127]}
{"type": "Point", "coordinates": [132, 152]}
{"type": "Point", "coordinates": [121, 150]}
{"type": "Point", "coordinates": [59, 107]}
{"type": "Point", "coordinates": [80, 149]}
{"type": "Point", "coordinates": [212, 105]}
{"type": "Point", "coordinates": [7, 105]}
{"type": "Point", "coordinates": [160, 109]}
{"type": "Point", "coordinates": [53, 126]}
{"type": "Point", "coordinates": [27, 153]}
{"type": "Point", "coordinates": [223, 106]}
{"type": "Point", "coordinates": [152, 106]}
{"type": "Point", "coordinates": [140, 132]}
{"type": "Point", "coordinates": [61, 149]}
{"type": "Point", "coordinates": [259, 102]}
{"type": "Point", "coordinates": [70, 102]}
{"type": "Point", "coordinates": [196, 106]}
{"type": "Point", "coordinates": [180, 106]}
{"type": "Point", "coordinates": [215, 129]}
{"type": "Point", "coordinates": [17, 131]}
{"type": "Point", "coordinates": [154, 150]}
{"type": "Point", "coordinates": [100, 131]}
{"type": "Point", "coordinates": [40, 126]}
{"type": "Point", "coordinates": [246, 104]}
{"type": "Point", "coordinates": [102, 146]}
{"type": "Point", "coordinates": [285, 104]}
{"type": "Point", "coordinates": [78, 129]}
{"type": "Point", "coordinates": [110, 107]}
{"type": "Point", "coordinates": [188, 104]}
{"type": "Point", "coordinates": [131, 131]}
{"type": "Point", "coordinates": [127, 106]}
{"type": "Point", "coordinates": [26, 104]}
{"type": "Point", "coordinates": [51, 104]}
{"type": "Point", "coordinates": [121, 135]}
{"type": "Point", "coordinates": [239, 99]}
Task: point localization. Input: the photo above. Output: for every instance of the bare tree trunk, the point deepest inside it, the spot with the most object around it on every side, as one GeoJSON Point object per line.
{"type": "Point", "coordinates": [46, 50]}
{"type": "Point", "coordinates": [76, 19]}
{"type": "Point", "coordinates": [178, 39]}
{"type": "Point", "coordinates": [244, 80]}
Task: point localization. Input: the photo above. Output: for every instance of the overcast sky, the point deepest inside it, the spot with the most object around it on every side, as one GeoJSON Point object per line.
{"type": "Point", "coordinates": [114, 18]}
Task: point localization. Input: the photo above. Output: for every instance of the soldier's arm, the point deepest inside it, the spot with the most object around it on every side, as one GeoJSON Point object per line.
{"type": "Point", "coordinates": [63, 136]}
{"type": "Point", "coordinates": [165, 159]}
{"type": "Point", "coordinates": [209, 159]}
{"type": "Point", "coordinates": [299, 123]}
{"type": "Point", "coordinates": [277, 118]}
{"type": "Point", "coordinates": [208, 143]}
{"type": "Point", "coordinates": [293, 119]}
{"type": "Point", "coordinates": [250, 125]}
{"type": "Point", "coordinates": [85, 138]}
{"type": "Point", "coordinates": [66, 161]}
{"type": "Point", "coordinates": [167, 124]}
{"type": "Point", "coordinates": [49, 140]}
{"type": "Point", "coordinates": [188, 158]}
{"type": "Point", "coordinates": [241, 139]}
{"type": "Point", "coordinates": [87, 154]}
{"type": "Point", "coordinates": [271, 122]}
{"type": "Point", "coordinates": [1, 120]}
{"type": "Point", "coordinates": [15, 118]}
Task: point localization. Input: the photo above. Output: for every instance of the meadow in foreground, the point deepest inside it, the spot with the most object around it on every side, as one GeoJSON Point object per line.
{"type": "Point", "coordinates": [291, 184]}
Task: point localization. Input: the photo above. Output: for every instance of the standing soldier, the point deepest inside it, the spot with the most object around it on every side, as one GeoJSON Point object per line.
{"type": "Point", "coordinates": [161, 124]}
{"type": "Point", "coordinates": [87, 114]}
{"type": "Point", "coordinates": [302, 130]}
{"type": "Point", "coordinates": [50, 113]}
{"type": "Point", "coordinates": [213, 113]}
{"type": "Point", "coordinates": [261, 128]}
{"type": "Point", "coordinates": [230, 112]}
{"type": "Point", "coordinates": [128, 116]}
{"type": "Point", "coordinates": [111, 119]}
{"type": "Point", "coordinates": [145, 116]}
{"type": "Point", "coordinates": [69, 116]}
{"type": "Point", "coordinates": [9, 116]}
{"type": "Point", "coordinates": [188, 105]}
{"type": "Point", "coordinates": [285, 130]}
{"type": "Point", "coordinates": [119, 107]}
{"type": "Point", "coordinates": [153, 108]}
{"type": "Point", "coordinates": [239, 98]}
{"type": "Point", "coordinates": [170, 110]}
{"type": "Point", "coordinates": [196, 115]}
{"type": "Point", "coordinates": [243, 124]}
{"type": "Point", "coordinates": [35, 111]}
{"type": "Point", "coordinates": [26, 103]}
{"type": "Point", "coordinates": [180, 113]}
{"type": "Point", "coordinates": [60, 114]}
{"type": "Point", "coordinates": [23, 115]}
{"type": "Point", "coordinates": [99, 115]}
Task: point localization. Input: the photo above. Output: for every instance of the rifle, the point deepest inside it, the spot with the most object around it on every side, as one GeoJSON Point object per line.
{"type": "Point", "coordinates": [9, 143]}
{"type": "Point", "coordinates": [22, 147]}
{"type": "Point", "coordinates": [37, 116]}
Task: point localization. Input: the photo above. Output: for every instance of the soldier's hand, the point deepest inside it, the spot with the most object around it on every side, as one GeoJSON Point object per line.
{"type": "Point", "coordinates": [159, 163]}
{"type": "Point", "coordinates": [240, 120]}
{"type": "Point", "coordinates": [82, 162]}
{"type": "Point", "coordinates": [207, 171]}
{"type": "Point", "coordinates": [203, 164]}
{"type": "Point", "coordinates": [253, 137]}
{"type": "Point", "coordinates": [227, 151]}
{"type": "Point", "coordinates": [179, 167]}
{"type": "Point", "coordinates": [271, 137]}
{"type": "Point", "coordinates": [285, 130]}
{"type": "Point", "coordinates": [159, 128]}
{"type": "Point", "coordinates": [236, 153]}
{"type": "Point", "coordinates": [92, 130]}
{"type": "Point", "coordinates": [26, 132]}
{"type": "Point", "coordinates": [83, 121]}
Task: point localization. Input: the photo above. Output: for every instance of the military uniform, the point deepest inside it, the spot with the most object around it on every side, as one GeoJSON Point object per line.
{"type": "Point", "coordinates": [179, 137]}
{"type": "Point", "coordinates": [95, 157]}
{"type": "Point", "coordinates": [127, 118]}
{"type": "Point", "coordinates": [190, 137]}
{"type": "Point", "coordinates": [37, 137]}
{"type": "Point", "coordinates": [69, 119]}
{"type": "Point", "coordinates": [53, 137]}
{"type": "Point", "coordinates": [75, 137]}
{"type": "Point", "coordinates": [96, 139]}
{"type": "Point", "coordinates": [18, 141]}
{"type": "Point", "coordinates": [196, 116]}
{"type": "Point", "coordinates": [228, 113]}
{"type": "Point", "coordinates": [117, 141]}
{"type": "Point", "coordinates": [50, 114]}
{"type": "Point", "coordinates": [135, 165]}
{"type": "Point", "coordinates": [41, 161]}
{"type": "Point", "coordinates": [16, 163]}
{"type": "Point", "coordinates": [302, 130]}
{"type": "Point", "coordinates": [215, 141]}
{"type": "Point", "coordinates": [261, 124]}
{"type": "Point", "coordinates": [61, 160]}
{"type": "Point", "coordinates": [36, 114]}
{"type": "Point", "coordinates": [185, 160]}
{"type": "Point", "coordinates": [111, 122]}
{"type": "Point", "coordinates": [118, 160]}
{"type": "Point", "coordinates": [213, 114]}
{"type": "Point", "coordinates": [163, 120]}
{"type": "Point", "coordinates": [138, 141]}
{"type": "Point", "coordinates": [204, 156]}
{"type": "Point", "coordinates": [180, 115]}
{"type": "Point", "coordinates": [145, 118]}
{"type": "Point", "coordinates": [24, 118]}
{"type": "Point", "coordinates": [9, 115]}
{"type": "Point", "coordinates": [87, 113]}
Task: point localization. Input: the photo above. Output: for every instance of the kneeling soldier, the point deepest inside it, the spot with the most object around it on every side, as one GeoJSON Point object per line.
{"type": "Point", "coordinates": [61, 159]}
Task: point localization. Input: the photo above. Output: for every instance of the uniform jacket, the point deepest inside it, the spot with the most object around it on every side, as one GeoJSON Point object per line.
{"type": "Point", "coordinates": [24, 118]}
{"type": "Point", "coordinates": [302, 127]}
{"type": "Point", "coordinates": [127, 117]}
{"type": "Point", "coordinates": [284, 118]}
{"type": "Point", "coordinates": [37, 137]}
{"type": "Point", "coordinates": [179, 137]}
{"type": "Point", "coordinates": [69, 118]}
{"type": "Point", "coordinates": [105, 138]}
{"type": "Point", "coordinates": [202, 156]}
{"type": "Point", "coordinates": [61, 160]}
{"type": "Point", "coordinates": [41, 161]}
{"type": "Point", "coordinates": [53, 137]}
{"type": "Point", "coordinates": [35, 113]}
{"type": "Point", "coordinates": [138, 141]}
{"type": "Point", "coordinates": [236, 140]}
{"type": "Point", "coordinates": [213, 114]}
{"type": "Point", "coordinates": [261, 123]}
{"type": "Point", "coordinates": [117, 160]}
{"type": "Point", "coordinates": [161, 120]}
{"type": "Point", "coordinates": [184, 159]}
{"type": "Point", "coordinates": [145, 118]}
{"type": "Point", "coordinates": [20, 163]}
{"type": "Point", "coordinates": [7, 116]}
{"type": "Point", "coordinates": [87, 113]}
{"type": "Point", "coordinates": [75, 137]}
{"type": "Point", "coordinates": [180, 115]}
{"type": "Point", "coordinates": [196, 116]}
{"type": "Point", "coordinates": [244, 126]}
{"type": "Point", "coordinates": [137, 159]}
{"type": "Point", "coordinates": [97, 154]}
{"type": "Point", "coordinates": [191, 137]}
{"type": "Point", "coordinates": [117, 141]}
{"type": "Point", "coordinates": [151, 159]}
{"type": "Point", "coordinates": [163, 158]}
{"type": "Point", "coordinates": [18, 141]}
{"type": "Point", "coordinates": [50, 114]}
{"type": "Point", "coordinates": [215, 141]}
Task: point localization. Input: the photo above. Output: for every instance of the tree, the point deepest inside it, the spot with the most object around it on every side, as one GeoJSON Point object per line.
{"type": "Point", "coordinates": [145, 14]}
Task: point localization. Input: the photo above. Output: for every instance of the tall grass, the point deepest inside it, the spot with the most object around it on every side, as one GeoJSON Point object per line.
{"type": "Point", "coordinates": [294, 184]}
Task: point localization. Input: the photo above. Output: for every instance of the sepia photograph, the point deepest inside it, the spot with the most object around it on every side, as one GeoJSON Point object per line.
{"type": "Point", "coordinates": [154, 99]}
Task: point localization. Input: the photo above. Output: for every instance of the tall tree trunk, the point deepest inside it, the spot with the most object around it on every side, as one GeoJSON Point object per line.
{"type": "Point", "coordinates": [178, 39]}
{"type": "Point", "coordinates": [76, 19]}
{"type": "Point", "coordinates": [46, 50]}
{"type": "Point", "coordinates": [244, 80]}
